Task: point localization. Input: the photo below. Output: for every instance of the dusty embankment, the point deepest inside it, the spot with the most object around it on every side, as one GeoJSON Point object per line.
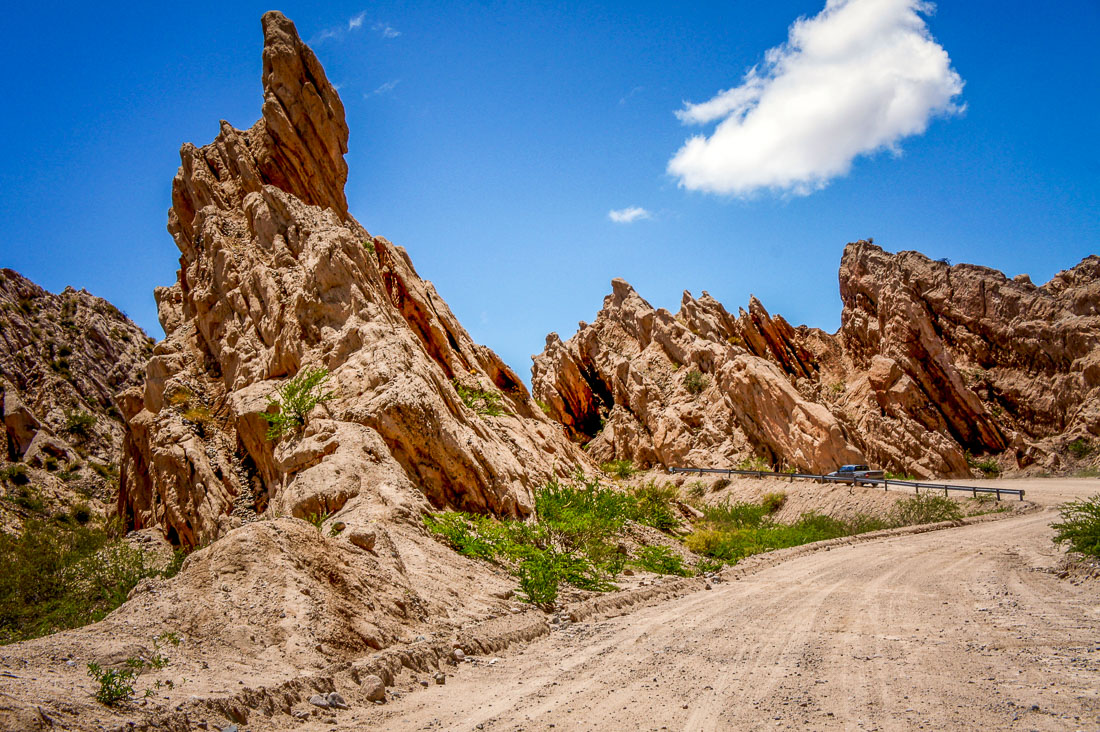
{"type": "Point", "coordinates": [957, 629]}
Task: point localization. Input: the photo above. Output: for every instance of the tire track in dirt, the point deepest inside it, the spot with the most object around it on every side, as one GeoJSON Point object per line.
{"type": "Point", "coordinates": [954, 629]}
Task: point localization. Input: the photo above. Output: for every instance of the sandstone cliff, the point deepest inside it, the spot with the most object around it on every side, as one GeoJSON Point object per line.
{"type": "Point", "coordinates": [932, 366]}
{"type": "Point", "coordinates": [62, 358]}
{"type": "Point", "coordinates": [277, 279]}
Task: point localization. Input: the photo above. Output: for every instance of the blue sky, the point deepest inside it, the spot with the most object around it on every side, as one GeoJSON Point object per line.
{"type": "Point", "coordinates": [492, 140]}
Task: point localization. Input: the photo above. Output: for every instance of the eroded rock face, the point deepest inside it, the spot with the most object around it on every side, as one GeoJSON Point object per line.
{"type": "Point", "coordinates": [931, 362]}
{"type": "Point", "coordinates": [624, 386]}
{"type": "Point", "coordinates": [276, 277]}
{"type": "Point", "coordinates": [62, 358]}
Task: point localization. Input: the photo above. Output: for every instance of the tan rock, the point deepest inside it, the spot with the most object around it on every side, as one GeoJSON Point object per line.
{"type": "Point", "coordinates": [276, 278]}
{"type": "Point", "coordinates": [931, 362]}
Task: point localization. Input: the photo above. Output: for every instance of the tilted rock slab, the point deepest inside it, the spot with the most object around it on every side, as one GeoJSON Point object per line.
{"type": "Point", "coordinates": [276, 277]}
{"type": "Point", "coordinates": [931, 362]}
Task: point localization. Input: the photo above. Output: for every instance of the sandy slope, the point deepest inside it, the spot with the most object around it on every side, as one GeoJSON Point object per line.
{"type": "Point", "coordinates": [954, 629]}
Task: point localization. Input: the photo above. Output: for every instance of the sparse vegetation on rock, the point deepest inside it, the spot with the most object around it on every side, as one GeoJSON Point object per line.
{"type": "Point", "coordinates": [293, 401]}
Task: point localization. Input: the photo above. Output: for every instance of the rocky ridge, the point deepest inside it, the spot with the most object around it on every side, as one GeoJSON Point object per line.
{"type": "Point", "coordinates": [62, 359]}
{"type": "Point", "coordinates": [933, 365]}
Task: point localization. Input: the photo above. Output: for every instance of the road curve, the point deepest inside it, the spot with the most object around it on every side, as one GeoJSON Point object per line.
{"type": "Point", "coordinates": [963, 628]}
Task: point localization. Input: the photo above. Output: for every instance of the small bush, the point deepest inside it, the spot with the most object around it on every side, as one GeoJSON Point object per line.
{"type": "Point", "coordinates": [772, 502]}
{"type": "Point", "coordinates": [754, 462]}
{"type": "Point", "coordinates": [989, 466]}
{"type": "Point", "coordinates": [925, 508]}
{"type": "Point", "coordinates": [50, 463]}
{"type": "Point", "coordinates": [16, 474]}
{"type": "Point", "coordinates": [294, 400]}
{"type": "Point", "coordinates": [79, 424]}
{"type": "Point", "coordinates": [369, 246]}
{"type": "Point", "coordinates": [735, 515]}
{"type": "Point", "coordinates": [706, 565]}
{"type": "Point", "coordinates": [695, 382]}
{"type": "Point", "coordinates": [661, 560]}
{"type": "Point", "coordinates": [55, 576]}
{"type": "Point", "coordinates": [720, 484]}
{"type": "Point", "coordinates": [81, 513]}
{"type": "Point", "coordinates": [1080, 526]}
{"type": "Point", "coordinates": [107, 472]}
{"type": "Point", "coordinates": [26, 497]}
{"type": "Point", "coordinates": [114, 686]}
{"type": "Point", "coordinates": [653, 506]}
{"type": "Point", "coordinates": [1079, 448]}
{"type": "Point", "coordinates": [482, 402]}
{"type": "Point", "coordinates": [899, 476]}
{"type": "Point", "coordinates": [619, 468]}
{"type": "Point", "coordinates": [179, 397]}
{"type": "Point", "coordinates": [538, 579]}
{"type": "Point", "coordinates": [697, 489]}
{"type": "Point", "coordinates": [317, 519]}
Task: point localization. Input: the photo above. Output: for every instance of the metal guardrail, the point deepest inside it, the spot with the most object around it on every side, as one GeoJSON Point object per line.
{"type": "Point", "coordinates": [884, 482]}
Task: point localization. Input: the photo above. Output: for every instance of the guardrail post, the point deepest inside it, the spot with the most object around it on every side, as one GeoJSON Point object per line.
{"type": "Point", "coordinates": [998, 494]}
{"type": "Point", "coordinates": [975, 492]}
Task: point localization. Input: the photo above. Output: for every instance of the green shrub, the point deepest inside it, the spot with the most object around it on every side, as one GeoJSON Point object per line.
{"type": "Point", "coordinates": [735, 515]}
{"type": "Point", "coordinates": [26, 497]}
{"type": "Point", "coordinates": [772, 502]}
{"type": "Point", "coordinates": [697, 489]}
{"type": "Point", "coordinates": [661, 560]}
{"type": "Point", "coordinates": [79, 424]}
{"type": "Point", "coordinates": [50, 463]}
{"type": "Point", "coordinates": [114, 686]}
{"type": "Point", "coordinates": [81, 513]}
{"type": "Point", "coordinates": [989, 466]}
{"type": "Point", "coordinates": [57, 576]}
{"type": "Point", "coordinates": [756, 463]}
{"type": "Point", "coordinates": [706, 565]}
{"type": "Point", "coordinates": [15, 473]}
{"type": "Point", "coordinates": [1079, 448]}
{"type": "Point", "coordinates": [695, 382]}
{"type": "Point", "coordinates": [538, 579]}
{"type": "Point", "coordinates": [107, 472]}
{"type": "Point", "coordinates": [653, 505]}
{"type": "Point", "coordinates": [572, 539]}
{"type": "Point", "coordinates": [925, 508]}
{"type": "Point", "coordinates": [482, 402]}
{"type": "Point", "coordinates": [1080, 526]}
{"type": "Point", "coordinates": [316, 519]}
{"type": "Point", "coordinates": [619, 468]}
{"type": "Point", "coordinates": [899, 476]}
{"type": "Point", "coordinates": [720, 484]}
{"type": "Point", "coordinates": [294, 400]}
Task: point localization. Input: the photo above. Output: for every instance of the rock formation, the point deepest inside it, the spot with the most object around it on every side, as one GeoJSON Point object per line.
{"type": "Point", "coordinates": [62, 358]}
{"type": "Point", "coordinates": [932, 364]}
{"type": "Point", "coordinates": [278, 280]}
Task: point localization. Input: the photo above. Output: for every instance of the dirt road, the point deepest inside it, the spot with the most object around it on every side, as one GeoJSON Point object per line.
{"type": "Point", "coordinates": [953, 629]}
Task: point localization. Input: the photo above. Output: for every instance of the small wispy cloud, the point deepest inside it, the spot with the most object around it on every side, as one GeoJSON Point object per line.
{"type": "Point", "coordinates": [353, 23]}
{"type": "Point", "coordinates": [385, 30]}
{"type": "Point", "coordinates": [858, 77]}
{"type": "Point", "coordinates": [633, 92]}
{"type": "Point", "coordinates": [385, 88]}
{"type": "Point", "coordinates": [628, 215]}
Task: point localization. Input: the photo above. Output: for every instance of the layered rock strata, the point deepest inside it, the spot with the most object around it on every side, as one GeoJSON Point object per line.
{"type": "Point", "coordinates": [276, 280]}
{"type": "Point", "coordinates": [932, 366]}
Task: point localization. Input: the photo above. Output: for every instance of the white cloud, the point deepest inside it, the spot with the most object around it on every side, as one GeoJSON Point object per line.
{"type": "Point", "coordinates": [386, 30]}
{"type": "Point", "coordinates": [387, 87]}
{"type": "Point", "coordinates": [854, 79]}
{"type": "Point", "coordinates": [356, 21]}
{"type": "Point", "coordinates": [628, 215]}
